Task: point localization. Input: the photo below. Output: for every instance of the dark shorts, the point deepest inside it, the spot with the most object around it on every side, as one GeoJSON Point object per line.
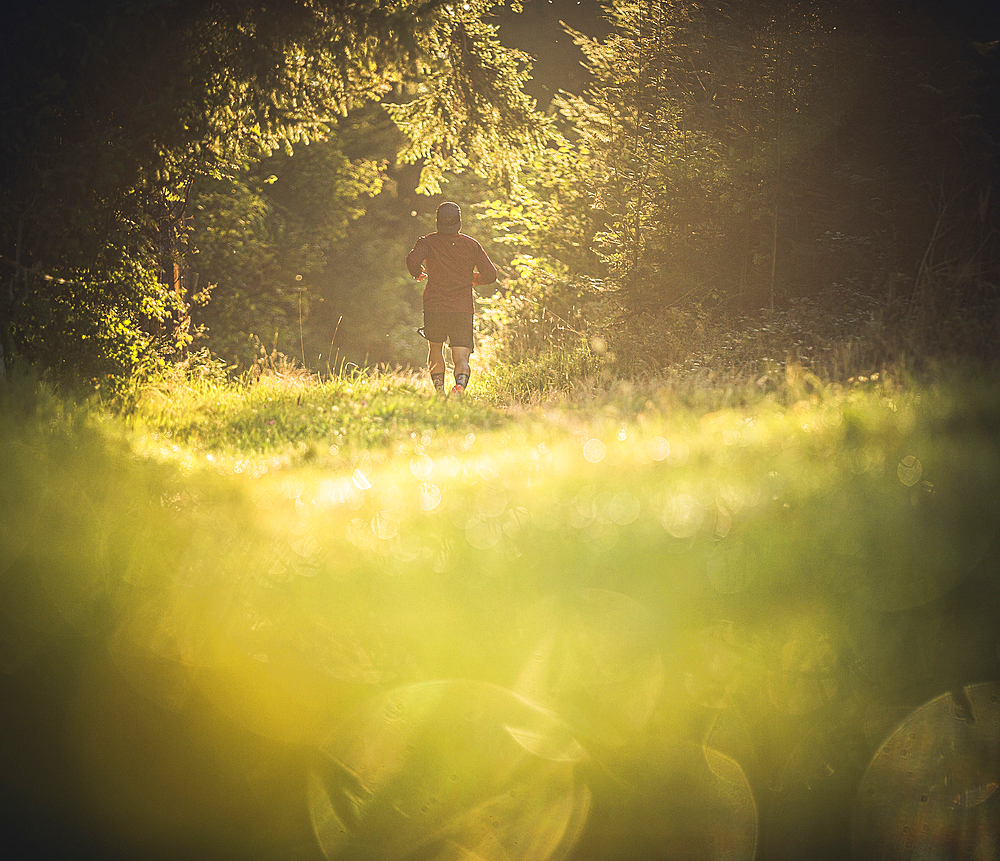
{"type": "Point", "coordinates": [455, 328]}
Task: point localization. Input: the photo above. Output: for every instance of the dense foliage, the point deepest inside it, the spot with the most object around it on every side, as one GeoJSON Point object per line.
{"type": "Point", "coordinates": [720, 158]}
{"type": "Point", "coordinates": [115, 113]}
{"type": "Point", "coordinates": [259, 239]}
{"type": "Point", "coordinates": [738, 155]}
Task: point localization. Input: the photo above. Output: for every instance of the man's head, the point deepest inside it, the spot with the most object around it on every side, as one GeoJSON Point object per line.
{"type": "Point", "coordinates": [449, 218]}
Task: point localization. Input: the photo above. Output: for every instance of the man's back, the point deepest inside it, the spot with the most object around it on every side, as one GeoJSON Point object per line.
{"type": "Point", "coordinates": [454, 262]}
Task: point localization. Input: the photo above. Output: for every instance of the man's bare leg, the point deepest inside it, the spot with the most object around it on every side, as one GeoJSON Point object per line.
{"type": "Point", "coordinates": [435, 364]}
{"type": "Point", "coordinates": [460, 356]}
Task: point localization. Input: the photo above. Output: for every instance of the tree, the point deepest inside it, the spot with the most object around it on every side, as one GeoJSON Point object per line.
{"type": "Point", "coordinates": [114, 110]}
{"type": "Point", "coordinates": [467, 106]}
{"type": "Point", "coordinates": [739, 155]}
{"type": "Point", "coordinates": [259, 243]}
{"type": "Point", "coordinates": [731, 141]}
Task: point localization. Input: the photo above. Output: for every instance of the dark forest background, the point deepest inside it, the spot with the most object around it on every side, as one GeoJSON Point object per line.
{"type": "Point", "coordinates": [235, 179]}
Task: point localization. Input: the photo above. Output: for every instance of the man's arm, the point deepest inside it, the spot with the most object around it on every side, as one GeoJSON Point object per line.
{"type": "Point", "coordinates": [486, 272]}
{"type": "Point", "coordinates": [415, 259]}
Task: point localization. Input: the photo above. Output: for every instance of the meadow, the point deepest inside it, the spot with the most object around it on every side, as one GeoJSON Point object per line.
{"type": "Point", "coordinates": [297, 616]}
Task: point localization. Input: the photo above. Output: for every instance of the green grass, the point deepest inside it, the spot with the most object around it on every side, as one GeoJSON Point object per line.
{"type": "Point", "coordinates": [299, 415]}
{"type": "Point", "coordinates": [266, 576]}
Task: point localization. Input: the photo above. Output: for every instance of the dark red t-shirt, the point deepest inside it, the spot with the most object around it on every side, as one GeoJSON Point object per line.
{"type": "Point", "coordinates": [453, 262]}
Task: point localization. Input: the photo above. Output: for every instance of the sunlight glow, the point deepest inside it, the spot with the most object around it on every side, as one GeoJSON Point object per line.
{"type": "Point", "coordinates": [909, 470]}
{"type": "Point", "coordinates": [361, 481]}
{"type": "Point", "coordinates": [430, 496]}
{"type": "Point", "coordinates": [658, 448]}
{"type": "Point", "coordinates": [492, 652]}
{"type": "Point", "coordinates": [422, 466]}
{"type": "Point", "coordinates": [594, 450]}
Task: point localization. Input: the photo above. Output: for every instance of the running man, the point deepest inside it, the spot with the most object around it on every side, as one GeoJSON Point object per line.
{"type": "Point", "coordinates": [452, 263]}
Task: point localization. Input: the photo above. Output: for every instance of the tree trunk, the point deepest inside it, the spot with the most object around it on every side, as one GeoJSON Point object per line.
{"type": "Point", "coordinates": [777, 171]}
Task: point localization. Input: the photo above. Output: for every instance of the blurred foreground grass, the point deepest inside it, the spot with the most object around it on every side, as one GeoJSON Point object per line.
{"type": "Point", "coordinates": [294, 619]}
